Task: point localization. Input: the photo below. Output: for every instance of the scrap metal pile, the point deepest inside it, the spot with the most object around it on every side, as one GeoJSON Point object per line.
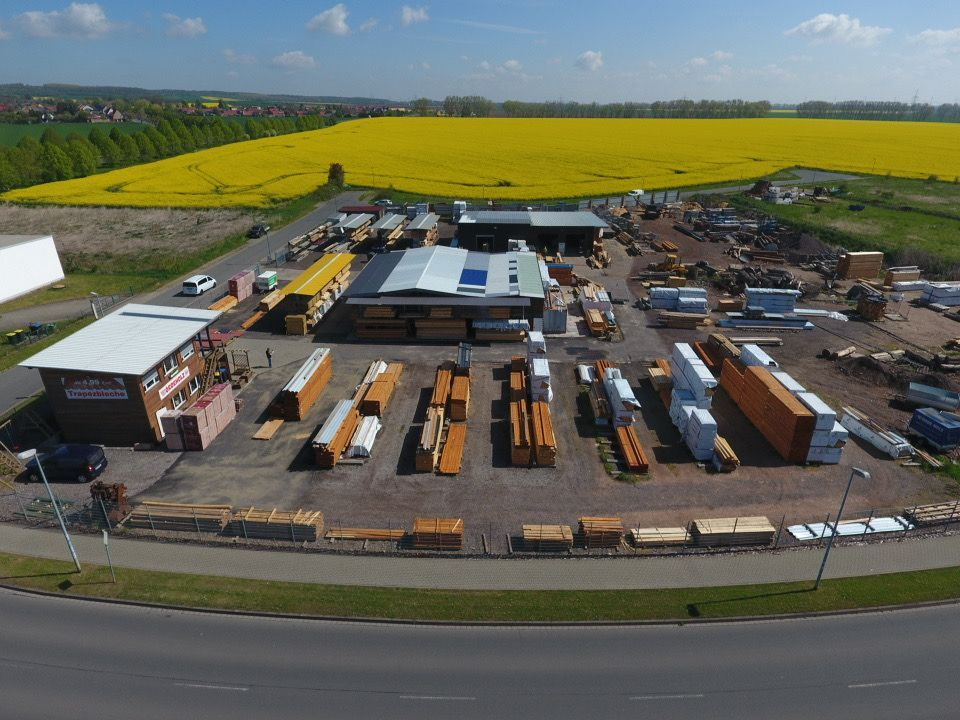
{"type": "Point", "coordinates": [738, 277]}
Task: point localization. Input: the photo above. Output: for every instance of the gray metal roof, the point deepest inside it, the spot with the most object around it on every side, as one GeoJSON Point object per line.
{"type": "Point", "coordinates": [129, 341]}
{"type": "Point", "coordinates": [424, 221]}
{"type": "Point", "coordinates": [496, 217]}
{"type": "Point", "coordinates": [11, 240]}
{"type": "Point", "coordinates": [388, 222]}
{"type": "Point", "coordinates": [567, 218]}
{"type": "Point", "coordinates": [354, 221]}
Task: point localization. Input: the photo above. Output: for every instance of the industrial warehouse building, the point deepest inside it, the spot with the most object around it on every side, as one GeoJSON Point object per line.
{"type": "Point", "coordinates": [29, 262]}
{"type": "Point", "coordinates": [442, 293]}
{"type": "Point", "coordinates": [109, 382]}
{"type": "Point", "coordinates": [552, 232]}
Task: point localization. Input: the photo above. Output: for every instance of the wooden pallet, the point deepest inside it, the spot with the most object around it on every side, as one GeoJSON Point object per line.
{"type": "Point", "coordinates": [547, 537]}
{"type": "Point", "coordinates": [451, 459]}
{"type": "Point", "coordinates": [268, 429]}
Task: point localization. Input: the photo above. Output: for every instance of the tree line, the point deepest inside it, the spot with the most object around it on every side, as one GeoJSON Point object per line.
{"type": "Point", "coordinates": [879, 110]}
{"type": "Point", "coordinates": [658, 109]}
{"type": "Point", "coordinates": [55, 157]}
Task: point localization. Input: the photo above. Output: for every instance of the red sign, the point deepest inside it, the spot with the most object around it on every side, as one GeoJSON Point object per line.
{"type": "Point", "coordinates": [172, 383]}
{"type": "Point", "coordinates": [94, 388]}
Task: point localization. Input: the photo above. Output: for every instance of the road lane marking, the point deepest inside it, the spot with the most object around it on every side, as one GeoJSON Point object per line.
{"type": "Point", "coordinates": [683, 696]}
{"type": "Point", "coordinates": [436, 697]}
{"type": "Point", "coordinates": [882, 684]}
{"type": "Point", "coordinates": [202, 686]}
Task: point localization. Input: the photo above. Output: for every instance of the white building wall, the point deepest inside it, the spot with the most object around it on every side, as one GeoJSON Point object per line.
{"type": "Point", "coordinates": [28, 266]}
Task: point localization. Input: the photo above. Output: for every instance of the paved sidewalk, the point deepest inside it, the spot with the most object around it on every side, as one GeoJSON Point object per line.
{"type": "Point", "coordinates": [491, 574]}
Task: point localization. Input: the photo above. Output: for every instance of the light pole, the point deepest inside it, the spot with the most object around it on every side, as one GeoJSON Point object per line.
{"type": "Point", "coordinates": [56, 508]}
{"type": "Point", "coordinates": [853, 472]}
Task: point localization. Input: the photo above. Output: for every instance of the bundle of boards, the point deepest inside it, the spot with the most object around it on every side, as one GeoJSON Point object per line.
{"type": "Point", "coordinates": [438, 533]}
{"type": "Point", "coordinates": [444, 432]}
{"type": "Point", "coordinates": [601, 532]}
{"type": "Point", "coordinates": [532, 439]}
{"type": "Point", "coordinates": [178, 517]}
{"type": "Point", "coordinates": [299, 526]}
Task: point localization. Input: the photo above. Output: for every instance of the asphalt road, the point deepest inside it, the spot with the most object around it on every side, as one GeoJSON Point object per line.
{"type": "Point", "coordinates": [64, 658]}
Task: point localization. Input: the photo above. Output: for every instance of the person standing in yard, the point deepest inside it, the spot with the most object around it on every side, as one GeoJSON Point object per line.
{"type": "Point", "coordinates": [269, 357]}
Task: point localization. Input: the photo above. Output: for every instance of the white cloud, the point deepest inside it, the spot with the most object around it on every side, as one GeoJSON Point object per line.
{"type": "Point", "coordinates": [410, 15]}
{"type": "Point", "coordinates": [554, 61]}
{"type": "Point", "coordinates": [937, 38]}
{"type": "Point", "coordinates": [294, 61]}
{"type": "Point", "coordinates": [425, 65]}
{"type": "Point", "coordinates": [332, 20]}
{"type": "Point", "coordinates": [513, 66]}
{"type": "Point", "coordinates": [3, 33]}
{"type": "Point", "coordinates": [724, 72]}
{"type": "Point", "coordinates": [827, 27]}
{"type": "Point", "coordinates": [591, 60]}
{"type": "Point", "coordinates": [697, 62]}
{"type": "Point", "coordinates": [82, 20]}
{"type": "Point", "coordinates": [484, 65]}
{"type": "Point", "coordinates": [721, 55]}
{"type": "Point", "coordinates": [184, 27]}
{"type": "Point", "coordinates": [235, 58]}
{"type": "Point", "coordinates": [369, 24]}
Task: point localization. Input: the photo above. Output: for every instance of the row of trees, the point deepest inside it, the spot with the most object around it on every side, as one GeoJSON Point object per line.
{"type": "Point", "coordinates": [55, 157]}
{"type": "Point", "coordinates": [659, 109]}
{"type": "Point", "coordinates": [468, 106]}
{"type": "Point", "coordinates": [877, 110]}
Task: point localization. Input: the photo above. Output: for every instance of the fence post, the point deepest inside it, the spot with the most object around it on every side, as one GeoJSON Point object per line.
{"type": "Point", "coordinates": [826, 524]}
{"type": "Point", "coordinates": [783, 519]}
{"type": "Point", "coordinates": [243, 524]}
{"type": "Point", "coordinates": [293, 537]}
{"type": "Point", "coordinates": [106, 517]}
{"type": "Point", "coordinates": [866, 527]}
{"type": "Point", "coordinates": [150, 518]}
{"type": "Point", "coordinates": [196, 524]}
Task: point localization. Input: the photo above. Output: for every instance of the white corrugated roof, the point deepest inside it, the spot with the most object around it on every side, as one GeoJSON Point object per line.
{"type": "Point", "coordinates": [129, 341]}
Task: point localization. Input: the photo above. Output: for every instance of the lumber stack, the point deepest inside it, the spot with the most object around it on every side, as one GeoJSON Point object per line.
{"type": "Point", "coordinates": [299, 526]}
{"type": "Point", "coordinates": [547, 537]}
{"type": "Point", "coordinates": [331, 441]}
{"type": "Point", "coordinates": [596, 322]}
{"type": "Point", "coordinates": [438, 533]}
{"type": "Point", "coordinates": [681, 320]}
{"type": "Point", "coordinates": [301, 392]}
{"type": "Point", "coordinates": [781, 418]}
{"type": "Point", "coordinates": [376, 396]}
{"type": "Point", "coordinates": [934, 514]}
{"type": "Point", "coordinates": [381, 329]}
{"type": "Point", "coordinates": [296, 324]}
{"type": "Point", "coordinates": [347, 533]}
{"type": "Point", "coordinates": [518, 385]}
{"type": "Point", "coordinates": [725, 459]}
{"type": "Point", "coordinates": [441, 329]}
{"type": "Point", "coordinates": [442, 386]}
{"type": "Point", "coordinates": [601, 532]}
{"type": "Point", "coordinates": [451, 459]}
{"type": "Point", "coordinates": [659, 536]}
{"type": "Point", "coordinates": [178, 517]}
{"type": "Point", "coordinates": [269, 301]}
{"type": "Point", "coordinates": [379, 312]}
{"type": "Point", "coordinates": [755, 530]}
{"type": "Point", "coordinates": [901, 274]}
{"type": "Point", "coordinates": [429, 445]}
{"type": "Point", "coordinates": [631, 449]}
{"type": "Point", "coordinates": [521, 452]}
{"type": "Point", "coordinates": [460, 398]}
{"type": "Point", "coordinates": [225, 303]}
{"type": "Point", "coordinates": [542, 436]}
{"type": "Point", "coordinates": [854, 265]}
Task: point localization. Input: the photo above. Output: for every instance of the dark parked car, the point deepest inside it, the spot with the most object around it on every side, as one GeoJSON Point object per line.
{"type": "Point", "coordinates": [258, 231]}
{"type": "Point", "coordinates": [73, 463]}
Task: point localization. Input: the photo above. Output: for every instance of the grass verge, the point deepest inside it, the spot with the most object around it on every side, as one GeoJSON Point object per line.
{"type": "Point", "coordinates": [487, 605]}
{"type": "Point", "coordinates": [10, 355]}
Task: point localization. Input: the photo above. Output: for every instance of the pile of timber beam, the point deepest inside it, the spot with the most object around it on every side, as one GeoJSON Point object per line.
{"type": "Point", "coordinates": [518, 385]}
{"type": "Point", "coordinates": [329, 455]}
{"type": "Point", "coordinates": [451, 459]}
{"type": "Point", "coordinates": [633, 455]}
{"type": "Point", "coordinates": [346, 533]}
{"type": "Point", "coordinates": [376, 396]}
{"type": "Point", "coordinates": [728, 460]}
{"type": "Point", "coordinates": [301, 392]}
{"type": "Point", "coordinates": [601, 532]}
{"type": "Point", "coordinates": [438, 533]}
{"type": "Point", "coordinates": [542, 437]}
{"type": "Point", "coordinates": [177, 516]}
{"type": "Point", "coordinates": [268, 429]}
{"type": "Point", "coordinates": [442, 386]}
{"type": "Point", "coordinates": [934, 514]}
{"type": "Point", "coordinates": [299, 526]}
{"type": "Point", "coordinates": [429, 445]}
{"type": "Point", "coordinates": [760, 340]}
{"type": "Point", "coordinates": [681, 320]}
{"type": "Point", "coordinates": [460, 398]}
{"type": "Point", "coordinates": [521, 453]}
{"type": "Point", "coordinates": [253, 320]}
{"type": "Point", "coordinates": [269, 301]}
{"type": "Point", "coordinates": [659, 536]}
{"type": "Point", "coordinates": [547, 537]}
{"type": "Point", "coordinates": [755, 530]}
{"type": "Point", "coordinates": [225, 303]}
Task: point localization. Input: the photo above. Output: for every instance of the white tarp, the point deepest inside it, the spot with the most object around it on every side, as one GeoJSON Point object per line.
{"type": "Point", "coordinates": [816, 531]}
{"type": "Point", "coordinates": [361, 444]}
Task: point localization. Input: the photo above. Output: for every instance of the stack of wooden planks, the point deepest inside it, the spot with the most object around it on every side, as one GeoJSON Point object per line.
{"type": "Point", "coordinates": [376, 395]}
{"type": "Point", "coordinates": [438, 533]}
{"type": "Point", "coordinates": [547, 537]}
{"type": "Point", "coordinates": [269, 301]}
{"type": "Point", "coordinates": [520, 448]}
{"type": "Point", "coordinates": [253, 320]}
{"type": "Point", "coordinates": [177, 516]}
{"type": "Point", "coordinates": [301, 392]}
{"type": "Point", "coordinates": [299, 526]}
{"type": "Point", "coordinates": [596, 322]}
{"type": "Point", "coordinates": [451, 459]}
{"type": "Point", "coordinates": [381, 329]}
{"type": "Point", "coordinates": [542, 436]}
{"type": "Point", "coordinates": [328, 454]}
{"type": "Point", "coordinates": [727, 458]}
{"type": "Point", "coordinates": [442, 386]}
{"type": "Point", "coordinates": [518, 385]}
{"type": "Point", "coordinates": [379, 312]}
{"type": "Point", "coordinates": [854, 265]}
{"type": "Point", "coordinates": [601, 532]}
{"type": "Point", "coordinates": [347, 533]}
{"type": "Point", "coordinates": [225, 303]}
{"type": "Point", "coordinates": [633, 454]}
{"type": "Point", "coordinates": [296, 324]}
{"type": "Point", "coordinates": [659, 536]}
{"type": "Point", "coordinates": [755, 530]}
{"type": "Point", "coordinates": [441, 328]}
{"type": "Point", "coordinates": [460, 398]}
{"type": "Point", "coordinates": [681, 320]}
{"type": "Point", "coordinates": [934, 514]}
{"type": "Point", "coordinates": [429, 445]}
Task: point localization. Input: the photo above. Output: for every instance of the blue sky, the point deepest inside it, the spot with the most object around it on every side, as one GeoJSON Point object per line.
{"type": "Point", "coordinates": [603, 50]}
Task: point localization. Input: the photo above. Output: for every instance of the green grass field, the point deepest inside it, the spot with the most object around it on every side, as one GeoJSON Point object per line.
{"type": "Point", "coordinates": [10, 134]}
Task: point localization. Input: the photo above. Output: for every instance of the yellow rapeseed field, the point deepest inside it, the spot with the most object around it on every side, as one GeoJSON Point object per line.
{"type": "Point", "coordinates": [515, 159]}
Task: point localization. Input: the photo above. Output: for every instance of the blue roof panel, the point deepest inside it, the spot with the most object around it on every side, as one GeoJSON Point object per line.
{"type": "Point", "coordinates": [473, 277]}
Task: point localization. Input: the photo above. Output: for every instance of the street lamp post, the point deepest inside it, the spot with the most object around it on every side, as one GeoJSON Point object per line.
{"type": "Point", "coordinates": [826, 553]}
{"type": "Point", "coordinates": [56, 509]}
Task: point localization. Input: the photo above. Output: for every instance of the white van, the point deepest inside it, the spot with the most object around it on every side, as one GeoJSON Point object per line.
{"type": "Point", "coordinates": [198, 284]}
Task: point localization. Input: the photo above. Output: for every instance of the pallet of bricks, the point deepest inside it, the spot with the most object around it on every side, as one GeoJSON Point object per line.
{"type": "Point", "coordinates": [376, 392]}
{"type": "Point", "coordinates": [714, 532]}
{"type": "Point", "coordinates": [437, 533]}
{"type": "Point", "coordinates": [178, 517]}
{"type": "Point", "coordinates": [301, 392]}
{"type": "Point", "coordinates": [241, 285]}
{"type": "Point", "coordinates": [299, 526]}
{"type": "Point", "coordinates": [547, 537]}
{"type": "Point", "coordinates": [601, 532]}
{"type": "Point", "coordinates": [199, 425]}
{"type": "Point", "coordinates": [853, 265]}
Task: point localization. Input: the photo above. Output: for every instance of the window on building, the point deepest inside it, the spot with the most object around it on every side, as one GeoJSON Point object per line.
{"type": "Point", "coordinates": [150, 380]}
{"type": "Point", "coordinates": [194, 385]}
{"type": "Point", "coordinates": [186, 351]}
{"type": "Point", "coordinates": [170, 364]}
{"type": "Point", "coordinates": [179, 399]}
